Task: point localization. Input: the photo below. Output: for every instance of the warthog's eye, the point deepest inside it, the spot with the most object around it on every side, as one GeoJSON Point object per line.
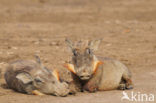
{"type": "Point", "coordinates": [38, 80]}
{"type": "Point", "coordinates": [75, 52]}
{"type": "Point", "coordinates": [88, 51]}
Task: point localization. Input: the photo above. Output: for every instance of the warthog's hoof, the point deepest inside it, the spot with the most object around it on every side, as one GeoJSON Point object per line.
{"type": "Point", "coordinates": [122, 87]}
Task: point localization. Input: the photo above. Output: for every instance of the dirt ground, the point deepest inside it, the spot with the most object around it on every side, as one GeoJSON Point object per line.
{"type": "Point", "coordinates": [127, 27]}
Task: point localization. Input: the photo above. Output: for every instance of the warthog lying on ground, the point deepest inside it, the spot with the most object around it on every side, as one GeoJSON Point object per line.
{"type": "Point", "coordinates": [32, 77]}
{"type": "Point", "coordinates": [92, 73]}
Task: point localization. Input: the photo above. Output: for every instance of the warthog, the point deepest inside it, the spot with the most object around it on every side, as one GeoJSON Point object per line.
{"type": "Point", "coordinates": [92, 73]}
{"type": "Point", "coordinates": [32, 77]}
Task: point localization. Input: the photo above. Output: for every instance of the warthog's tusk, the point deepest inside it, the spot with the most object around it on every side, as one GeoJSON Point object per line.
{"type": "Point", "coordinates": [96, 65]}
{"type": "Point", "coordinates": [56, 74]}
{"type": "Point", "coordinates": [70, 67]}
{"type": "Point", "coordinates": [36, 92]}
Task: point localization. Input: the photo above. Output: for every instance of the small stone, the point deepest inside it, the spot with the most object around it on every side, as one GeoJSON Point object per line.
{"type": "Point", "coordinates": [56, 43]}
{"type": "Point", "coordinates": [108, 44]}
{"type": "Point", "coordinates": [36, 42]}
{"type": "Point", "coordinates": [14, 48]}
{"type": "Point", "coordinates": [10, 53]}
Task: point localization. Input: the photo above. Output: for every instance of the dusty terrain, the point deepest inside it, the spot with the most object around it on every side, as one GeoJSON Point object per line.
{"type": "Point", "coordinates": [128, 29]}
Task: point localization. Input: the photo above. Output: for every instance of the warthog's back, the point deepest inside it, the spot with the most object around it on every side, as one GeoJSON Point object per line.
{"type": "Point", "coordinates": [24, 66]}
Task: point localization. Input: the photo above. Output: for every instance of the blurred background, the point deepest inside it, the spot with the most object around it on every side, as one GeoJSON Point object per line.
{"type": "Point", "coordinates": [75, 11]}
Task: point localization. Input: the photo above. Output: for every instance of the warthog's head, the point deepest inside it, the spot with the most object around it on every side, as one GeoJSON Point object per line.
{"type": "Point", "coordinates": [84, 63]}
{"type": "Point", "coordinates": [44, 81]}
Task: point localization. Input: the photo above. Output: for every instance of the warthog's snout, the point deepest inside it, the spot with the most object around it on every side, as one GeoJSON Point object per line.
{"type": "Point", "coordinates": [63, 90]}
{"type": "Point", "coordinates": [84, 77]}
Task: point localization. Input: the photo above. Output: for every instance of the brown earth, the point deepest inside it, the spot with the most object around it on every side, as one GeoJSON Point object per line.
{"type": "Point", "coordinates": [128, 29]}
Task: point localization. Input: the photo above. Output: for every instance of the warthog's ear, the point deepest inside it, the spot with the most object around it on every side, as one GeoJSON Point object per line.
{"type": "Point", "coordinates": [38, 60]}
{"type": "Point", "coordinates": [69, 44]}
{"type": "Point", "coordinates": [70, 67]}
{"type": "Point", "coordinates": [56, 74]}
{"type": "Point", "coordinates": [24, 77]}
{"type": "Point", "coordinates": [93, 45]}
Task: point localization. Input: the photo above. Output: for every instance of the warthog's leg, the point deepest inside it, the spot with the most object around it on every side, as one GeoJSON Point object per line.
{"type": "Point", "coordinates": [126, 82]}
